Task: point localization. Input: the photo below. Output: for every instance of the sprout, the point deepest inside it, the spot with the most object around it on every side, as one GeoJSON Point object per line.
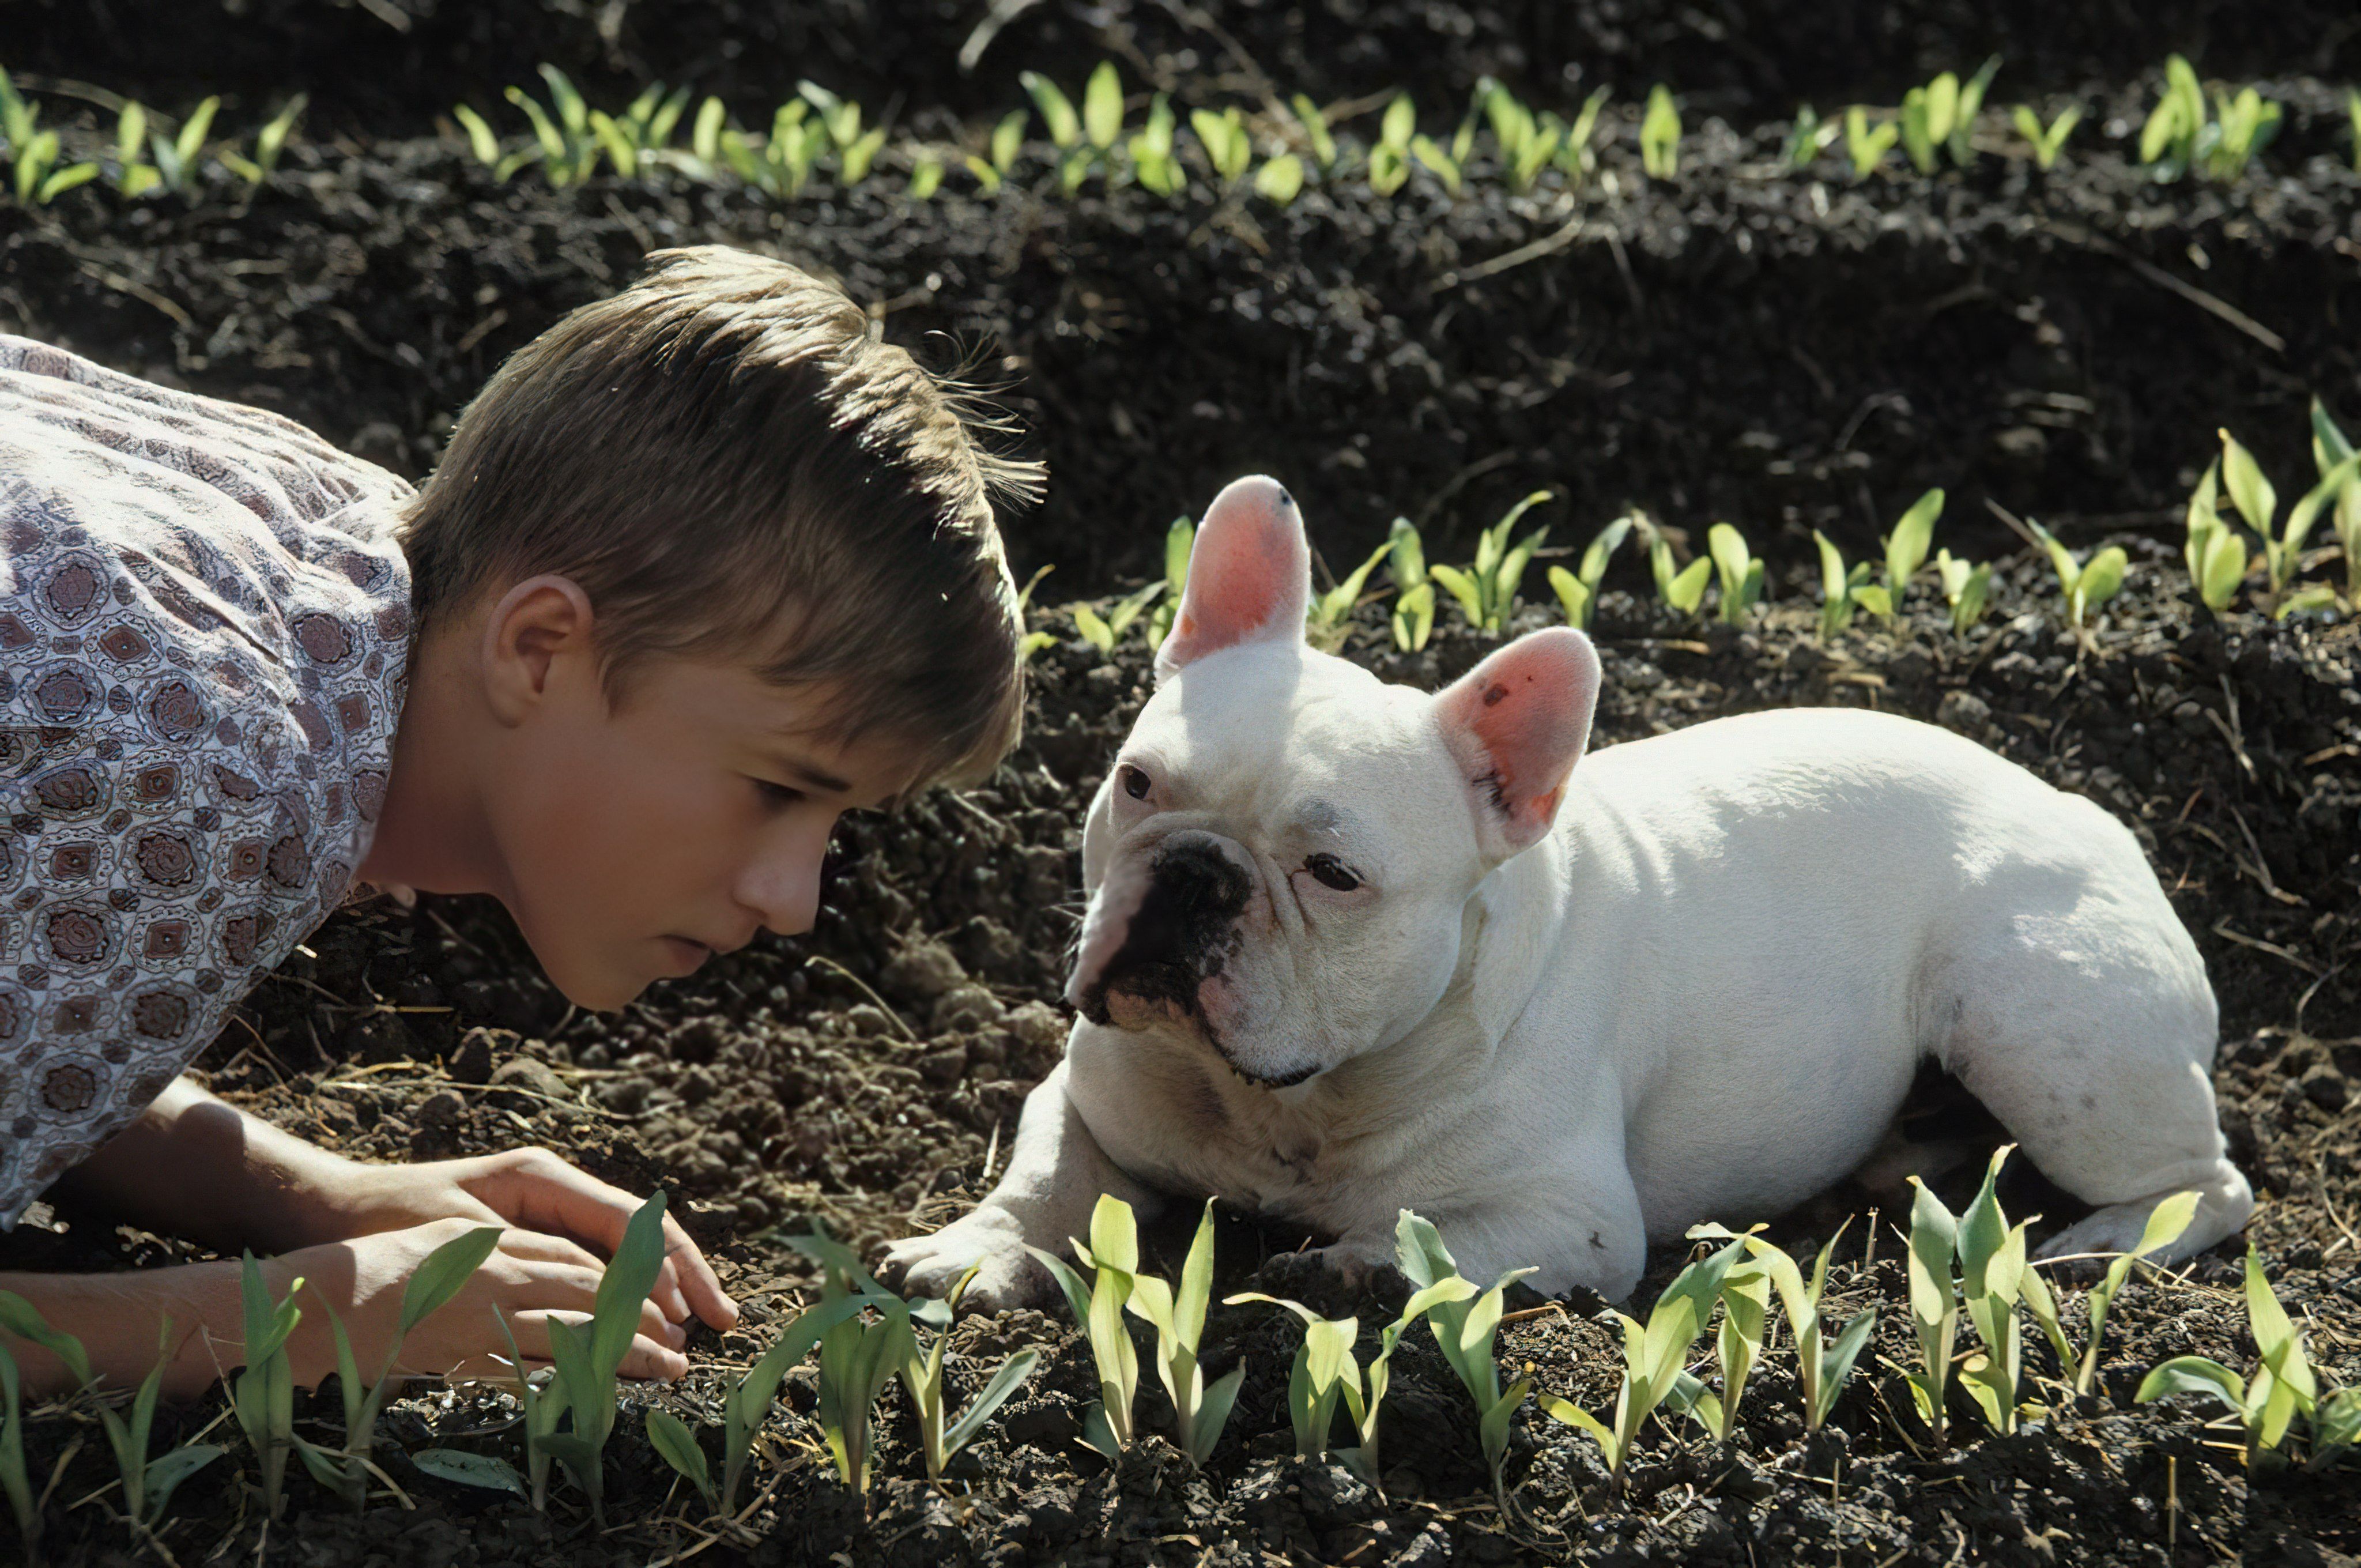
{"type": "Point", "coordinates": [857, 1358]}
{"type": "Point", "coordinates": [1441, 163]}
{"type": "Point", "coordinates": [676, 1446]}
{"type": "Point", "coordinates": [1805, 139]}
{"type": "Point", "coordinates": [1820, 1371]}
{"type": "Point", "coordinates": [1178, 1318]}
{"type": "Point", "coordinates": [2165, 1224]}
{"type": "Point", "coordinates": [268, 143]}
{"type": "Point", "coordinates": [2258, 502]}
{"type": "Point", "coordinates": [750, 1402]}
{"type": "Point", "coordinates": [1464, 1326]}
{"type": "Point", "coordinates": [1745, 1305]}
{"type": "Point", "coordinates": [176, 159]}
{"type": "Point", "coordinates": [563, 144]}
{"type": "Point", "coordinates": [134, 177]}
{"type": "Point", "coordinates": [1940, 115]}
{"type": "Point", "coordinates": [2047, 143]}
{"type": "Point", "coordinates": [643, 130]}
{"type": "Point", "coordinates": [1683, 588]}
{"type": "Point", "coordinates": [1866, 145]}
{"type": "Point", "coordinates": [923, 1376]}
{"type": "Point", "coordinates": [1058, 114]}
{"type": "Point", "coordinates": [1576, 155]}
{"type": "Point", "coordinates": [263, 1396]}
{"type": "Point", "coordinates": [1315, 132]}
{"type": "Point", "coordinates": [926, 178]}
{"type": "Point", "coordinates": [1102, 106]}
{"type": "Point", "coordinates": [1965, 588]}
{"type": "Point", "coordinates": [1324, 1371]}
{"type": "Point", "coordinates": [148, 1484]}
{"type": "Point", "coordinates": [2216, 555]}
{"type": "Point", "coordinates": [1152, 162]}
{"type": "Point", "coordinates": [1905, 548]}
{"type": "Point", "coordinates": [1223, 136]}
{"type": "Point", "coordinates": [2282, 1386]}
{"type": "Point", "coordinates": [2329, 450]}
{"type": "Point", "coordinates": [2353, 116]}
{"type": "Point", "coordinates": [437, 1279]}
{"type": "Point", "coordinates": [2086, 584]}
{"type": "Point", "coordinates": [588, 1355]}
{"type": "Point", "coordinates": [1740, 572]}
{"type": "Point", "coordinates": [1934, 1302]}
{"type": "Point", "coordinates": [1113, 1256]}
{"type": "Point", "coordinates": [1104, 633]}
{"type": "Point", "coordinates": [1993, 1275]}
{"type": "Point", "coordinates": [1331, 614]}
{"type": "Point", "coordinates": [1526, 144]}
{"type": "Point", "coordinates": [1654, 1354]}
{"type": "Point", "coordinates": [1578, 592]}
{"type": "Point", "coordinates": [539, 1405]}
{"type": "Point", "coordinates": [1179, 540]}
{"type": "Point", "coordinates": [1659, 135]}
{"type": "Point", "coordinates": [2180, 136]}
{"type": "Point", "coordinates": [1413, 616]}
{"type": "Point", "coordinates": [1842, 591]}
{"type": "Point", "coordinates": [1389, 159]}
{"type": "Point", "coordinates": [1486, 590]}
{"type": "Point", "coordinates": [34, 151]}
{"type": "Point", "coordinates": [1280, 179]}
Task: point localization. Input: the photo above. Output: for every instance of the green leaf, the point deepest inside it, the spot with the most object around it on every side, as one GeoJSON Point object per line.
{"type": "Point", "coordinates": [2251, 493]}
{"type": "Point", "coordinates": [2102, 577]}
{"type": "Point", "coordinates": [1686, 590]}
{"type": "Point", "coordinates": [1573, 597]}
{"type": "Point", "coordinates": [1413, 618]}
{"type": "Point", "coordinates": [1315, 131]}
{"type": "Point", "coordinates": [1098, 1433]}
{"type": "Point", "coordinates": [2193, 1375]}
{"type": "Point", "coordinates": [1078, 1293]}
{"type": "Point", "coordinates": [445, 1273]}
{"type": "Point", "coordinates": [2332, 483]}
{"type": "Point", "coordinates": [1094, 632]}
{"type": "Point", "coordinates": [1102, 105]}
{"type": "Point", "coordinates": [2222, 562]}
{"type": "Point", "coordinates": [481, 1469]}
{"type": "Point", "coordinates": [1838, 1362]}
{"type": "Point", "coordinates": [1280, 179]}
{"type": "Point", "coordinates": [167, 1471]}
{"type": "Point", "coordinates": [677, 1445]}
{"type": "Point", "coordinates": [1115, 1235]}
{"type": "Point", "coordinates": [1057, 110]}
{"type": "Point", "coordinates": [1462, 588]}
{"type": "Point", "coordinates": [1214, 1414]}
{"type": "Point", "coordinates": [994, 1394]}
{"type": "Point", "coordinates": [628, 1277]}
{"type": "Point", "coordinates": [1574, 1416]}
{"type": "Point", "coordinates": [1659, 135]}
{"type": "Point", "coordinates": [1400, 123]}
{"type": "Point", "coordinates": [22, 1318]}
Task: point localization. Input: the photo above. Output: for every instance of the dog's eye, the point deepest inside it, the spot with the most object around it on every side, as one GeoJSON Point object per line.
{"type": "Point", "coordinates": [1331, 873]}
{"type": "Point", "coordinates": [1134, 782]}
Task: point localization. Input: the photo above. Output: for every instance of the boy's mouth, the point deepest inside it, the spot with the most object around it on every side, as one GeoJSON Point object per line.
{"type": "Point", "coordinates": [686, 953]}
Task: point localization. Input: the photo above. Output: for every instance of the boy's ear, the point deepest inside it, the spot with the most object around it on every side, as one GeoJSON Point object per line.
{"type": "Point", "coordinates": [1250, 576]}
{"type": "Point", "coordinates": [528, 628]}
{"type": "Point", "coordinates": [1517, 724]}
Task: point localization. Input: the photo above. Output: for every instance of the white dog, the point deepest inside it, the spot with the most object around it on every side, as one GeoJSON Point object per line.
{"type": "Point", "coordinates": [1352, 948]}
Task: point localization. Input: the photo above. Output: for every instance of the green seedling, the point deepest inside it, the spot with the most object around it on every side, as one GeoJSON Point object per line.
{"type": "Point", "coordinates": [445, 1271]}
{"type": "Point", "coordinates": [1325, 1372]}
{"type": "Point", "coordinates": [1577, 154]}
{"type": "Point", "coordinates": [677, 1446]}
{"type": "Point", "coordinates": [1905, 550]}
{"type": "Point", "coordinates": [2258, 502]}
{"type": "Point", "coordinates": [588, 1355]}
{"type": "Point", "coordinates": [1179, 540]}
{"type": "Point", "coordinates": [941, 1439]}
{"type": "Point", "coordinates": [134, 177]}
{"type": "Point", "coordinates": [1331, 615]}
{"type": "Point", "coordinates": [1367, 1403]}
{"type": "Point", "coordinates": [2165, 1224]}
{"type": "Point", "coordinates": [635, 138]}
{"type": "Point", "coordinates": [1082, 137]}
{"type": "Point", "coordinates": [34, 151]}
{"type": "Point", "coordinates": [13, 1478]}
{"type": "Point", "coordinates": [1228, 149]}
{"type": "Point", "coordinates": [1178, 1319]}
{"type": "Point", "coordinates": [563, 144]}
{"type": "Point", "coordinates": [268, 143]}
{"type": "Point", "coordinates": [1465, 1327]}
{"type": "Point", "coordinates": [148, 1484]}
{"type": "Point", "coordinates": [176, 157]}
{"type": "Point", "coordinates": [1389, 158]}
{"type": "Point", "coordinates": [1316, 135]}
{"type": "Point", "coordinates": [782, 161]}
{"type": "Point", "coordinates": [541, 1401]}
{"type": "Point", "coordinates": [1527, 143]}
{"type": "Point", "coordinates": [1153, 162]}
{"type": "Point", "coordinates": [1659, 135]}
{"type": "Point", "coordinates": [1057, 113]}
{"type": "Point", "coordinates": [1933, 1303]}
{"type": "Point", "coordinates": [1683, 588]}
{"type": "Point", "coordinates": [1993, 1278]}
{"type": "Point", "coordinates": [1413, 616]}
{"type": "Point", "coordinates": [263, 1395]}
{"type": "Point", "coordinates": [2181, 135]}
{"type": "Point", "coordinates": [2047, 141]}
{"type": "Point", "coordinates": [1102, 106]}
{"type": "Point", "coordinates": [2087, 584]}
{"type": "Point", "coordinates": [1280, 179]}
{"type": "Point", "coordinates": [1738, 1348]}
{"type": "Point", "coordinates": [1438, 162]}
{"type": "Point", "coordinates": [1486, 590]}
{"type": "Point", "coordinates": [857, 1355]}
{"type": "Point", "coordinates": [1578, 591]}
{"type": "Point", "coordinates": [1971, 103]}
{"type": "Point", "coordinates": [1821, 1369]}
{"type": "Point", "coordinates": [1842, 591]}
{"type": "Point", "coordinates": [1655, 1362]}
{"type": "Point", "coordinates": [1804, 139]}
{"type": "Point", "coordinates": [2282, 1386]}
{"type": "Point", "coordinates": [2216, 553]}
{"type": "Point", "coordinates": [748, 1404]}
{"type": "Point", "coordinates": [1966, 588]}
{"type": "Point", "coordinates": [1032, 642]}
{"type": "Point", "coordinates": [2330, 450]}
{"type": "Point", "coordinates": [1103, 633]}
{"type": "Point", "coordinates": [1740, 572]}
{"type": "Point", "coordinates": [926, 178]}
{"type": "Point", "coordinates": [1113, 1257]}
{"type": "Point", "coordinates": [1866, 145]}
{"type": "Point", "coordinates": [2352, 123]}
{"type": "Point", "coordinates": [1939, 118]}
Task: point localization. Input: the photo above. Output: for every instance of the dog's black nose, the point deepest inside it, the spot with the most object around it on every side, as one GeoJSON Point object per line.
{"type": "Point", "coordinates": [1183, 930]}
{"type": "Point", "coordinates": [1197, 881]}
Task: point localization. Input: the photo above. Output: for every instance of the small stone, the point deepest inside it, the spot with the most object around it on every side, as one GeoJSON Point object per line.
{"type": "Point", "coordinates": [923, 970]}
{"type": "Point", "coordinates": [870, 1023]}
{"type": "Point", "coordinates": [1964, 713]}
{"type": "Point", "coordinates": [440, 1111]}
{"type": "Point", "coordinates": [526, 1073]}
{"type": "Point", "coordinates": [472, 1061]}
{"type": "Point", "coordinates": [2326, 1086]}
{"type": "Point", "coordinates": [968, 1008]}
{"type": "Point", "coordinates": [945, 1065]}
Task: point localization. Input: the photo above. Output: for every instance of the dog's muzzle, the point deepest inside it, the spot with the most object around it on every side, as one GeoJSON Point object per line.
{"type": "Point", "coordinates": [1183, 932]}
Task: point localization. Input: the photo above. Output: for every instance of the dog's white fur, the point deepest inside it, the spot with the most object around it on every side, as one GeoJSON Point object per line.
{"type": "Point", "coordinates": [1692, 981]}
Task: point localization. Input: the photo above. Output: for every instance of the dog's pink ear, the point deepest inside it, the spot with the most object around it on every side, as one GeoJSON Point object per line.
{"type": "Point", "coordinates": [1517, 724]}
{"type": "Point", "coordinates": [1250, 576]}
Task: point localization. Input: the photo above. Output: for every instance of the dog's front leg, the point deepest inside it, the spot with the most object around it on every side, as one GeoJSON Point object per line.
{"type": "Point", "coordinates": [1056, 1173]}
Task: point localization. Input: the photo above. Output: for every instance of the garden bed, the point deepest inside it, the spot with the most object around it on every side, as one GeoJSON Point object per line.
{"type": "Point", "coordinates": [1789, 351]}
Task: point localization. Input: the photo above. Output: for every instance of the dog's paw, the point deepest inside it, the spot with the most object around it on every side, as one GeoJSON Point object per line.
{"type": "Point", "coordinates": [988, 1240]}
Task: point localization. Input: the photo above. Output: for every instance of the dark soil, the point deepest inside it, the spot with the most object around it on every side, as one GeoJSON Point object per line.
{"type": "Point", "coordinates": [1734, 345]}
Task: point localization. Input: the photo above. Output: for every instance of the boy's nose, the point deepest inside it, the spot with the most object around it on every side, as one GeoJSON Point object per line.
{"type": "Point", "coordinates": [782, 888]}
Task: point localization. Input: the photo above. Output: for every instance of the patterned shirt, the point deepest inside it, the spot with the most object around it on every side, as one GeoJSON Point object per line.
{"type": "Point", "coordinates": [205, 623]}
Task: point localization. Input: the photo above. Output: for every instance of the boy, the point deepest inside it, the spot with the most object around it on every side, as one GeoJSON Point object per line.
{"type": "Point", "coordinates": [706, 565]}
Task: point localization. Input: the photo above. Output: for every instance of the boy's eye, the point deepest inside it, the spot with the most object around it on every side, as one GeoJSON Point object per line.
{"type": "Point", "coordinates": [1331, 873]}
{"type": "Point", "coordinates": [1134, 782]}
{"type": "Point", "coordinates": [778, 793]}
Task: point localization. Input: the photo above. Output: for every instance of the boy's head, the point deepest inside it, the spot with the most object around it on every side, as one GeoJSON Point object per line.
{"type": "Point", "coordinates": [709, 561]}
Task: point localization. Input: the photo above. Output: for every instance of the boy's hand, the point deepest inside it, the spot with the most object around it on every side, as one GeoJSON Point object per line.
{"type": "Point", "coordinates": [529, 1279]}
{"type": "Point", "coordinates": [536, 1191]}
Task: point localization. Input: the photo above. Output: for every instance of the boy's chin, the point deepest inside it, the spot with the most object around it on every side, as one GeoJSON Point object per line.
{"type": "Point", "coordinates": [594, 986]}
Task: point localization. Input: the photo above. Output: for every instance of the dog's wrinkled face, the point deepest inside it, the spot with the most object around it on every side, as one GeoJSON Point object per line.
{"type": "Point", "coordinates": [1280, 861]}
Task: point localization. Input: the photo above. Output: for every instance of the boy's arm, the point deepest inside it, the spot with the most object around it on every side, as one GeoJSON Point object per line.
{"type": "Point", "coordinates": [119, 1318]}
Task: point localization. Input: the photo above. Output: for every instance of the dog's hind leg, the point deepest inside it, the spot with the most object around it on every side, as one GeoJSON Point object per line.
{"type": "Point", "coordinates": [2093, 1041]}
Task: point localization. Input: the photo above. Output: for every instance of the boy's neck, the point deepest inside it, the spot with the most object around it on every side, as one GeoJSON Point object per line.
{"type": "Point", "coordinates": [431, 834]}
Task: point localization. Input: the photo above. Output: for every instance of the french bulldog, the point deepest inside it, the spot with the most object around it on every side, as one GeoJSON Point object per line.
{"type": "Point", "coordinates": [1353, 948]}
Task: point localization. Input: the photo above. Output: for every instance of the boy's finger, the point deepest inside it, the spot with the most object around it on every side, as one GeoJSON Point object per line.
{"type": "Point", "coordinates": [560, 1197]}
{"type": "Point", "coordinates": [539, 1247]}
{"type": "Point", "coordinates": [700, 1288]}
{"type": "Point", "coordinates": [651, 1362]}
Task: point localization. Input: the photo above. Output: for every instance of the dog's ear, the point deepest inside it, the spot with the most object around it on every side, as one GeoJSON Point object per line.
{"type": "Point", "coordinates": [1250, 576]}
{"type": "Point", "coordinates": [1517, 724]}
